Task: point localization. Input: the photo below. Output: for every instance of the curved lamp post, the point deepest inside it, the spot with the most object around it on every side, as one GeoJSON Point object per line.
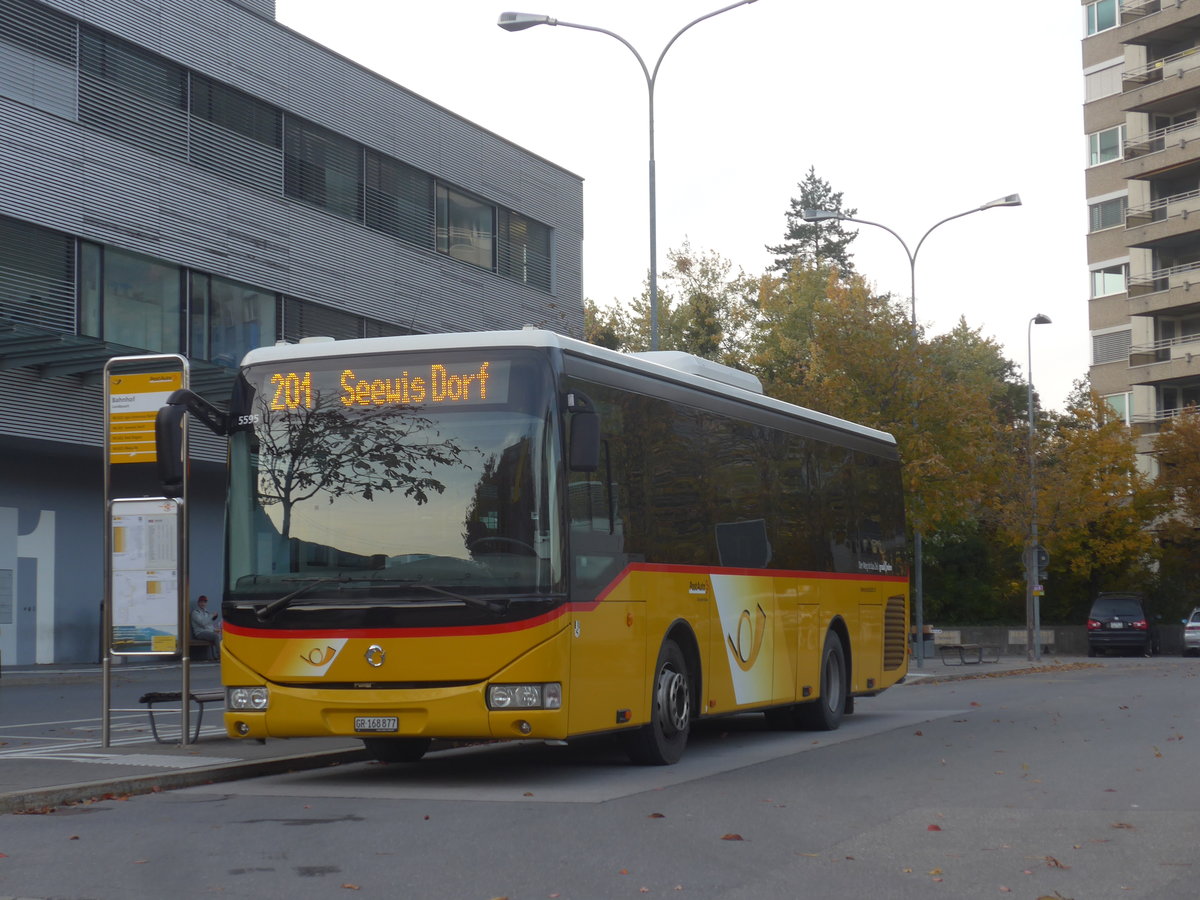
{"type": "Point", "coordinates": [518, 21]}
{"type": "Point", "coordinates": [822, 215]}
{"type": "Point", "coordinates": [1033, 624]}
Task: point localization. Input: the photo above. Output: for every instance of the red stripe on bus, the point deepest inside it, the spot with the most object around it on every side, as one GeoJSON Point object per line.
{"type": "Point", "coordinates": [375, 633]}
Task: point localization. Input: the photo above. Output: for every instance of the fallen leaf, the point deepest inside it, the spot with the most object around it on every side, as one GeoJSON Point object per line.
{"type": "Point", "coordinates": [1005, 890]}
{"type": "Point", "coordinates": [1122, 825]}
{"type": "Point", "coordinates": [1055, 864]}
{"type": "Point", "coordinates": [919, 733]}
{"type": "Point", "coordinates": [656, 816]}
{"type": "Point", "coordinates": [732, 837]}
{"type": "Point", "coordinates": [351, 887]}
{"type": "Point", "coordinates": [527, 794]}
{"type": "Point", "coordinates": [934, 828]}
{"type": "Point", "coordinates": [935, 871]}
{"type": "Point", "coordinates": [623, 872]}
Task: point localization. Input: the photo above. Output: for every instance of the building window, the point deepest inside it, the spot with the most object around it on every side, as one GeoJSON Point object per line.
{"type": "Point", "coordinates": [235, 135]}
{"type": "Point", "coordinates": [465, 226]}
{"type": "Point", "coordinates": [132, 94]}
{"type": "Point", "coordinates": [37, 57]}
{"type": "Point", "coordinates": [1106, 146]}
{"type": "Point", "coordinates": [129, 299]}
{"type": "Point", "coordinates": [1119, 404]}
{"type": "Point", "coordinates": [239, 112]}
{"type": "Point", "coordinates": [1107, 213]}
{"type": "Point", "coordinates": [1103, 82]}
{"type": "Point", "coordinates": [228, 319]}
{"type": "Point", "coordinates": [399, 200]}
{"type": "Point", "coordinates": [1111, 346]}
{"type": "Point", "coordinates": [1101, 16]}
{"type": "Point", "coordinates": [323, 168]}
{"type": "Point", "coordinates": [1109, 280]}
{"type": "Point", "coordinates": [37, 276]}
{"type": "Point", "coordinates": [523, 249]}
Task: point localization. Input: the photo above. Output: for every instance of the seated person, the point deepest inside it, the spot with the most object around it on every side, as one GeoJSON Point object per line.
{"type": "Point", "coordinates": [204, 625]}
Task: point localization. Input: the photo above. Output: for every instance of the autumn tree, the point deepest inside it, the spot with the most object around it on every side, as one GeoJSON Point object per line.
{"type": "Point", "coordinates": [1177, 449]}
{"type": "Point", "coordinates": [815, 244]}
{"type": "Point", "coordinates": [1095, 507]}
{"type": "Point", "coordinates": [703, 309]}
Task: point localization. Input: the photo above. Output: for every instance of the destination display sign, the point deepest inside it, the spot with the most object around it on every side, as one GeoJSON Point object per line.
{"type": "Point", "coordinates": [475, 383]}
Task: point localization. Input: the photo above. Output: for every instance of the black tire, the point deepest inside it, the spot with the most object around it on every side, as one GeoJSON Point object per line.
{"type": "Point", "coordinates": [661, 742]}
{"type": "Point", "coordinates": [825, 713]}
{"type": "Point", "coordinates": [396, 750]}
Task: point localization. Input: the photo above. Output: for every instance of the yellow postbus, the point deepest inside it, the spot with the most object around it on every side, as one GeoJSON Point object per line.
{"type": "Point", "coordinates": [516, 535]}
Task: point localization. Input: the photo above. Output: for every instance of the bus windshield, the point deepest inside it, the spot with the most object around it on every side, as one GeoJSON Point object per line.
{"type": "Point", "coordinates": [407, 478]}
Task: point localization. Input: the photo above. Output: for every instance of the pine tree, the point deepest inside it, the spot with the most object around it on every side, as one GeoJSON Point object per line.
{"type": "Point", "coordinates": [815, 244]}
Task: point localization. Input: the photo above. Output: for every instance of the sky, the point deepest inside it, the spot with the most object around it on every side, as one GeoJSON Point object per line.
{"type": "Point", "coordinates": [914, 112]}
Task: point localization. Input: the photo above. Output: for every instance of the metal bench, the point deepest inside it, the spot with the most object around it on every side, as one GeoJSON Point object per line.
{"type": "Point", "coordinates": [200, 698]}
{"type": "Point", "coordinates": [969, 654]}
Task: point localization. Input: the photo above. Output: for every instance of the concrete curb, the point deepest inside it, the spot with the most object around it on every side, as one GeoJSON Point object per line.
{"type": "Point", "coordinates": [45, 799]}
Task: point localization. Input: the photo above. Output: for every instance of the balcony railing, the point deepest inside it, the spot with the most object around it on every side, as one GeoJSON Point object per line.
{"type": "Point", "coordinates": [1163, 279]}
{"type": "Point", "coordinates": [1162, 209]}
{"type": "Point", "coordinates": [1155, 70]}
{"type": "Point", "coordinates": [1132, 10]}
{"type": "Point", "coordinates": [1163, 349]}
{"type": "Point", "coordinates": [1157, 141]}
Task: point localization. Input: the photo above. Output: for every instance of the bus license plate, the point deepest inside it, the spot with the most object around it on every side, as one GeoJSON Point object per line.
{"type": "Point", "coordinates": [376, 723]}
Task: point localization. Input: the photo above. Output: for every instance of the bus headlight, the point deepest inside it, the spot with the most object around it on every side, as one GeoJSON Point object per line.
{"type": "Point", "coordinates": [525, 696]}
{"type": "Point", "coordinates": [251, 698]}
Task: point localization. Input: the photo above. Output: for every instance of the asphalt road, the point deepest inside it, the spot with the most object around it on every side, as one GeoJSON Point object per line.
{"type": "Point", "coordinates": [1074, 784]}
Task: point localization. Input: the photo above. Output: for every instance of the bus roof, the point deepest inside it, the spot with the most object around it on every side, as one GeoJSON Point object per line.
{"type": "Point", "coordinates": [681, 368]}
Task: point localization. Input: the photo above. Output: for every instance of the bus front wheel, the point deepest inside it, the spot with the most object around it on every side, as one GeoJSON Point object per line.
{"type": "Point", "coordinates": [661, 742]}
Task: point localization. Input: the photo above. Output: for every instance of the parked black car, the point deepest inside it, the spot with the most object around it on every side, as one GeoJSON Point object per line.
{"type": "Point", "coordinates": [1121, 621]}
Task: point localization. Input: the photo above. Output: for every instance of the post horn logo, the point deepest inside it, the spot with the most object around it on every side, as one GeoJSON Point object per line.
{"type": "Point", "coordinates": [318, 657]}
{"type": "Point", "coordinates": [749, 638]}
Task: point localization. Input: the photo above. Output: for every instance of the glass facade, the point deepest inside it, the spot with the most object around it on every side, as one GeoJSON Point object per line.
{"type": "Point", "coordinates": [227, 319]}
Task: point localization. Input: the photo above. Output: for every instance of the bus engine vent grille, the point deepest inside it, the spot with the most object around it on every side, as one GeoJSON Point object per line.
{"type": "Point", "coordinates": [894, 637]}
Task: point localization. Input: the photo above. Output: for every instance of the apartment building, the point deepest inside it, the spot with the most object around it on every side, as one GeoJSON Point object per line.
{"type": "Point", "coordinates": [1141, 66]}
{"type": "Point", "coordinates": [191, 177]}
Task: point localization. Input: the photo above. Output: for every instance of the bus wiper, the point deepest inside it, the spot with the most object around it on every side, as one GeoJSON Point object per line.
{"type": "Point", "coordinates": [490, 605]}
{"type": "Point", "coordinates": [270, 609]}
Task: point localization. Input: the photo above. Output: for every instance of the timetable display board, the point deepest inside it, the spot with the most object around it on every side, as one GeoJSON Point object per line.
{"type": "Point", "coordinates": [145, 582]}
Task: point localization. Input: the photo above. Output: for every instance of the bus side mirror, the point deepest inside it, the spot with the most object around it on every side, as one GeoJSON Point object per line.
{"type": "Point", "coordinates": [584, 441]}
{"type": "Point", "coordinates": [168, 439]}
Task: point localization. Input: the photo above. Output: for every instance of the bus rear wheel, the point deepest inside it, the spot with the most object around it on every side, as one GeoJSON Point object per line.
{"type": "Point", "coordinates": [396, 750]}
{"type": "Point", "coordinates": [661, 742]}
{"type": "Point", "coordinates": [825, 713]}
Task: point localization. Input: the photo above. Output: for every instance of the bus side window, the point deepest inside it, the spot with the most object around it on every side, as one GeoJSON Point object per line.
{"type": "Point", "coordinates": [597, 542]}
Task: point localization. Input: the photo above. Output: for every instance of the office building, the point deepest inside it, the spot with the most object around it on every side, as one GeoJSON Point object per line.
{"type": "Point", "coordinates": [189, 176]}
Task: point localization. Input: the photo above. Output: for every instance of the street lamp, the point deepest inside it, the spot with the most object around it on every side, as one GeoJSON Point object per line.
{"type": "Point", "coordinates": [822, 215]}
{"type": "Point", "coordinates": [1033, 624]}
{"type": "Point", "coordinates": [518, 21]}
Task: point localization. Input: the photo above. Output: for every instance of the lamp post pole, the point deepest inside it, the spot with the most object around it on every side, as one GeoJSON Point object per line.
{"type": "Point", "coordinates": [819, 215]}
{"type": "Point", "coordinates": [1033, 624]}
{"type": "Point", "coordinates": [517, 21]}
